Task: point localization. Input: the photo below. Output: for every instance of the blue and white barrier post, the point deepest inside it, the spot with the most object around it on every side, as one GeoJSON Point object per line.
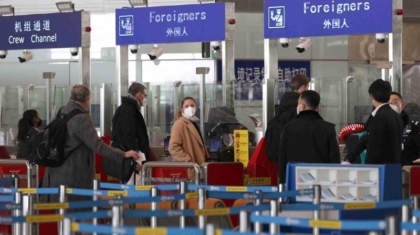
{"type": "Point", "coordinates": [257, 202]}
{"type": "Point", "coordinates": [17, 227]}
{"type": "Point", "coordinates": [154, 193]}
{"type": "Point", "coordinates": [281, 189]}
{"type": "Point", "coordinates": [201, 205]}
{"type": "Point", "coordinates": [316, 201]}
{"type": "Point", "coordinates": [415, 207]}
{"type": "Point", "coordinates": [96, 186]}
{"type": "Point", "coordinates": [243, 221]}
{"type": "Point", "coordinates": [274, 212]}
{"type": "Point", "coordinates": [27, 209]}
{"type": "Point", "coordinates": [391, 226]}
{"type": "Point", "coordinates": [405, 218]}
{"type": "Point", "coordinates": [210, 230]}
{"type": "Point", "coordinates": [62, 199]}
{"type": "Point", "coordinates": [183, 187]}
{"type": "Point", "coordinates": [117, 214]}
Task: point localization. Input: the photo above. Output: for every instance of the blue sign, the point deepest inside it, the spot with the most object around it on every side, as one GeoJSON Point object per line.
{"type": "Point", "coordinates": [60, 30]}
{"type": "Point", "coordinates": [171, 24]}
{"type": "Point", "coordinates": [303, 18]}
{"type": "Point", "coordinates": [250, 73]}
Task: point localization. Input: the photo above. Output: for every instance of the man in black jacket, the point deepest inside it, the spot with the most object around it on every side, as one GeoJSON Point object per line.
{"type": "Point", "coordinates": [385, 128]}
{"type": "Point", "coordinates": [129, 130]}
{"type": "Point", "coordinates": [285, 112]}
{"type": "Point", "coordinates": [308, 138]}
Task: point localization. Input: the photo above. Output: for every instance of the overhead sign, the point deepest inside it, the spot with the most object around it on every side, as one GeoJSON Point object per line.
{"type": "Point", "coordinates": [249, 75]}
{"type": "Point", "coordinates": [59, 30]}
{"type": "Point", "coordinates": [305, 18]}
{"type": "Point", "coordinates": [171, 24]}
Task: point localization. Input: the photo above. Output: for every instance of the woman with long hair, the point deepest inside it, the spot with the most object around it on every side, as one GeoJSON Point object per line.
{"type": "Point", "coordinates": [27, 130]}
{"type": "Point", "coordinates": [186, 143]}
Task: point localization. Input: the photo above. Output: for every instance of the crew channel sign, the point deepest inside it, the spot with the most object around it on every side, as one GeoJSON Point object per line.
{"type": "Point", "coordinates": [171, 24]}
{"type": "Point", "coordinates": [58, 30]}
{"type": "Point", "coordinates": [316, 18]}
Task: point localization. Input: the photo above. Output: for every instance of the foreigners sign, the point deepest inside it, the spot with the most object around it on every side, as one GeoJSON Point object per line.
{"type": "Point", "coordinates": [59, 30]}
{"type": "Point", "coordinates": [305, 18]}
{"type": "Point", "coordinates": [171, 24]}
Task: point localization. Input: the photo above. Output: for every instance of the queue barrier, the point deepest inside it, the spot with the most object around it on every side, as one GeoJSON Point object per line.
{"type": "Point", "coordinates": [6, 182]}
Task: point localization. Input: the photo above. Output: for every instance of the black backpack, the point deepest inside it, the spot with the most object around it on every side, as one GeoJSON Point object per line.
{"type": "Point", "coordinates": [48, 146]}
{"type": "Point", "coordinates": [273, 132]}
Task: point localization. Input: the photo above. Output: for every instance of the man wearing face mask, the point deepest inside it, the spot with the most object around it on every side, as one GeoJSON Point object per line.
{"type": "Point", "coordinates": [186, 143]}
{"type": "Point", "coordinates": [308, 138]}
{"type": "Point", "coordinates": [129, 129]}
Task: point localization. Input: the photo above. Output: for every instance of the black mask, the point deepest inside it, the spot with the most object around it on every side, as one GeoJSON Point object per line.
{"type": "Point", "coordinates": [40, 122]}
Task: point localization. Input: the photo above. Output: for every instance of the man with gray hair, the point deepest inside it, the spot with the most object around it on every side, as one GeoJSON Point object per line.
{"type": "Point", "coordinates": [82, 141]}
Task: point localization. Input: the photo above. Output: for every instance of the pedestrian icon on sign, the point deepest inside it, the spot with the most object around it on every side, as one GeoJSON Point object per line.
{"type": "Point", "coordinates": [126, 25]}
{"type": "Point", "coordinates": [277, 17]}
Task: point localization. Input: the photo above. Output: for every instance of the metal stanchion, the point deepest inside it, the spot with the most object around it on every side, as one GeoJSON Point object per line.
{"type": "Point", "coordinates": [26, 210]}
{"type": "Point", "coordinates": [96, 186]}
{"type": "Point", "coordinates": [374, 233]}
{"type": "Point", "coordinates": [15, 179]}
{"type": "Point", "coordinates": [274, 211]}
{"type": "Point", "coordinates": [243, 221]}
{"type": "Point", "coordinates": [257, 202]}
{"type": "Point", "coordinates": [405, 218]}
{"type": "Point", "coordinates": [391, 226]}
{"type": "Point", "coordinates": [201, 205]}
{"type": "Point", "coordinates": [34, 199]}
{"type": "Point", "coordinates": [62, 199]}
{"type": "Point", "coordinates": [117, 214]}
{"type": "Point", "coordinates": [183, 187]}
{"type": "Point", "coordinates": [153, 220]}
{"type": "Point", "coordinates": [67, 226]}
{"type": "Point", "coordinates": [316, 201]}
{"type": "Point", "coordinates": [281, 189]}
{"type": "Point", "coordinates": [210, 229]}
{"type": "Point", "coordinates": [17, 229]}
{"type": "Point", "coordinates": [415, 207]}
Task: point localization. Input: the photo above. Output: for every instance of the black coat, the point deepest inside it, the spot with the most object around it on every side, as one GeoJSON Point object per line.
{"type": "Point", "coordinates": [25, 147]}
{"type": "Point", "coordinates": [308, 139]}
{"type": "Point", "coordinates": [129, 131]}
{"type": "Point", "coordinates": [385, 137]}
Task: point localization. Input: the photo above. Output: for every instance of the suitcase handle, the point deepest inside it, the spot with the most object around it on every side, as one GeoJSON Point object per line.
{"type": "Point", "coordinates": [156, 164]}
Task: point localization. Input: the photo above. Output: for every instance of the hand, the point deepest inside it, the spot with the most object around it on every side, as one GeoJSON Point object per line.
{"type": "Point", "coordinates": [345, 163]}
{"type": "Point", "coordinates": [138, 167]}
{"type": "Point", "coordinates": [132, 154]}
{"type": "Point", "coordinates": [416, 161]}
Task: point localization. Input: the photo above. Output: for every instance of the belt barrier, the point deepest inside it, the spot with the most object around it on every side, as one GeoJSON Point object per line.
{"type": "Point", "coordinates": [112, 202]}
{"type": "Point", "coordinates": [30, 190]}
{"type": "Point", "coordinates": [7, 198]}
{"type": "Point", "coordinates": [90, 215]}
{"type": "Point", "coordinates": [410, 226]}
{"type": "Point", "coordinates": [6, 182]}
{"type": "Point", "coordinates": [104, 229]}
{"type": "Point", "coordinates": [352, 225]}
{"type": "Point", "coordinates": [241, 195]}
{"type": "Point", "coordinates": [31, 219]}
{"type": "Point", "coordinates": [346, 206]}
{"type": "Point", "coordinates": [416, 213]}
{"type": "Point", "coordinates": [10, 206]}
{"type": "Point", "coordinates": [139, 187]}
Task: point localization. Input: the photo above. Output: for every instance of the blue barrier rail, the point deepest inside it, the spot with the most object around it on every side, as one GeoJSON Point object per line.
{"type": "Point", "coordinates": [104, 229]}
{"type": "Point", "coordinates": [416, 213]}
{"type": "Point", "coordinates": [7, 198]}
{"type": "Point", "coordinates": [352, 225]}
{"type": "Point", "coordinates": [410, 226]}
{"type": "Point", "coordinates": [10, 206]}
{"type": "Point", "coordinates": [6, 182]}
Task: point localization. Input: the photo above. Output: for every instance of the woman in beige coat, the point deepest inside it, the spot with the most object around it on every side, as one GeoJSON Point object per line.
{"type": "Point", "coordinates": [186, 143]}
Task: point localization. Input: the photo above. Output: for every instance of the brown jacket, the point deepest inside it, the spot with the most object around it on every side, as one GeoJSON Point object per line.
{"type": "Point", "coordinates": [185, 144]}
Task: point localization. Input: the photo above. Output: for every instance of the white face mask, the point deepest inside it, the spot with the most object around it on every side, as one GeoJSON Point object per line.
{"type": "Point", "coordinates": [144, 102]}
{"type": "Point", "coordinates": [395, 108]}
{"type": "Point", "coordinates": [189, 112]}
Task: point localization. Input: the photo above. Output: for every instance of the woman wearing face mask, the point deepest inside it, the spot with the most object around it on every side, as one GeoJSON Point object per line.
{"type": "Point", "coordinates": [27, 130]}
{"type": "Point", "coordinates": [186, 143]}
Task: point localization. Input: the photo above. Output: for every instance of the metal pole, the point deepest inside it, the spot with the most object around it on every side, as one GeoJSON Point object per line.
{"type": "Point", "coordinates": [228, 58]}
{"type": "Point", "coordinates": [105, 112]}
{"type": "Point", "coordinates": [96, 186]}
{"type": "Point", "coordinates": [391, 226]}
{"type": "Point", "coordinates": [274, 211]}
{"type": "Point", "coordinates": [243, 221]}
{"type": "Point", "coordinates": [202, 103]}
{"type": "Point", "coordinates": [316, 201]}
{"type": "Point", "coordinates": [117, 215]}
{"type": "Point", "coordinates": [34, 230]}
{"type": "Point", "coordinates": [183, 186]}
{"type": "Point", "coordinates": [122, 72]}
{"type": "Point", "coordinates": [395, 48]}
{"type": "Point", "coordinates": [177, 84]}
{"type": "Point", "coordinates": [48, 99]}
{"type": "Point", "coordinates": [26, 210]}
{"type": "Point", "coordinates": [67, 226]}
{"type": "Point", "coordinates": [17, 229]}
{"type": "Point", "coordinates": [15, 179]}
{"type": "Point", "coordinates": [153, 221]}
{"type": "Point", "coordinates": [281, 189]}
{"type": "Point", "coordinates": [210, 229]}
{"type": "Point", "coordinates": [415, 207]}
{"type": "Point", "coordinates": [257, 202]}
{"type": "Point", "coordinates": [201, 206]}
{"type": "Point", "coordinates": [405, 217]}
{"type": "Point", "coordinates": [62, 199]}
{"type": "Point", "coordinates": [271, 75]}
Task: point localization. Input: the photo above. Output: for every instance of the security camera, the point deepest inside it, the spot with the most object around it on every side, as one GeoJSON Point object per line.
{"type": "Point", "coordinates": [74, 51]}
{"type": "Point", "coordinates": [304, 43]}
{"type": "Point", "coordinates": [381, 37]}
{"type": "Point", "coordinates": [26, 56]}
{"type": "Point", "coordinates": [3, 54]}
{"type": "Point", "coordinates": [284, 42]}
{"type": "Point", "coordinates": [216, 45]}
{"type": "Point", "coordinates": [133, 48]}
{"type": "Point", "coordinates": [155, 53]}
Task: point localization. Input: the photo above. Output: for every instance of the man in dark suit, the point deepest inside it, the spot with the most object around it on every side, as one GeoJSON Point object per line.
{"type": "Point", "coordinates": [308, 138]}
{"type": "Point", "coordinates": [385, 128]}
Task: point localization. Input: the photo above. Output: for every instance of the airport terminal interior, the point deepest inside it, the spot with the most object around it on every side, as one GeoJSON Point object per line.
{"type": "Point", "coordinates": [236, 58]}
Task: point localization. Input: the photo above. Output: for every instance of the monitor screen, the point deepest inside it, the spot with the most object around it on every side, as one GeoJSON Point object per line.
{"type": "Point", "coordinates": [215, 145]}
{"type": "Point", "coordinates": [166, 145]}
